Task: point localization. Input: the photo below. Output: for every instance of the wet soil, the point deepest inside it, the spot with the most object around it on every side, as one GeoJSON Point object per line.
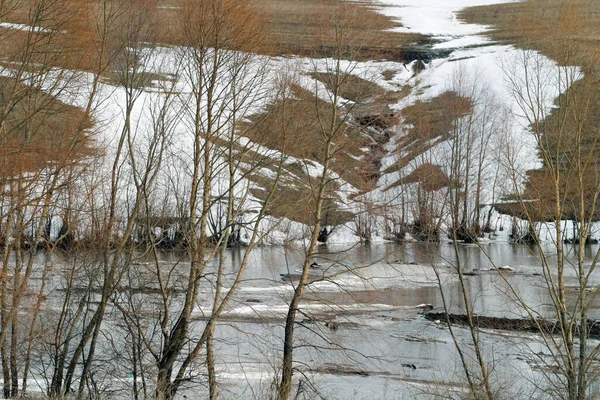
{"type": "Point", "coordinates": [544, 326]}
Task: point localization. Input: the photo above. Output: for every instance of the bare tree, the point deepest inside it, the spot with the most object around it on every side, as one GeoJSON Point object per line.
{"type": "Point", "coordinates": [119, 54]}
{"type": "Point", "coordinates": [334, 127]}
{"type": "Point", "coordinates": [43, 144]}
{"type": "Point", "coordinates": [565, 189]}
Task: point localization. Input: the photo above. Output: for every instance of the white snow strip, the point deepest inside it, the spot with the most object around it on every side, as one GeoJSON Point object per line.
{"type": "Point", "coordinates": [23, 27]}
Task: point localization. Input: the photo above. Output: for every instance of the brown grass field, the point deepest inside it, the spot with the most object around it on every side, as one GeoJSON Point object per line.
{"type": "Point", "coordinates": [564, 30]}
{"type": "Point", "coordinates": [567, 31]}
{"type": "Point", "coordinates": [304, 28]}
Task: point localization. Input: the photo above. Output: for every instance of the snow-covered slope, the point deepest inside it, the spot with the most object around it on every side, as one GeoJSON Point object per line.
{"type": "Point", "coordinates": [494, 75]}
{"type": "Point", "coordinates": [472, 66]}
{"type": "Point", "coordinates": [436, 17]}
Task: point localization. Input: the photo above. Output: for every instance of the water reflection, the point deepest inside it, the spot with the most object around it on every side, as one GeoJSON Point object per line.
{"type": "Point", "coordinates": [403, 275]}
{"type": "Point", "coordinates": [269, 261]}
{"type": "Point", "coordinates": [399, 277]}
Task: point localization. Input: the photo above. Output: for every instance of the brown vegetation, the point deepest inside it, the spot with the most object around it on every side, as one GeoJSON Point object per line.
{"type": "Point", "coordinates": [301, 27]}
{"type": "Point", "coordinates": [55, 33]}
{"type": "Point", "coordinates": [555, 27]}
{"type": "Point", "coordinates": [429, 123]}
{"type": "Point", "coordinates": [290, 27]}
{"type": "Point", "coordinates": [303, 138]}
{"type": "Point", "coordinates": [296, 202]}
{"type": "Point", "coordinates": [430, 176]}
{"type": "Point", "coordinates": [569, 33]}
{"type": "Point", "coordinates": [39, 130]}
{"type": "Point", "coordinates": [297, 27]}
{"type": "Point", "coordinates": [370, 102]}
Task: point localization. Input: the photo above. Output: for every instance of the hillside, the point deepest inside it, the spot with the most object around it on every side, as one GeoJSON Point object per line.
{"type": "Point", "coordinates": [568, 33]}
{"type": "Point", "coordinates": [413, 84]}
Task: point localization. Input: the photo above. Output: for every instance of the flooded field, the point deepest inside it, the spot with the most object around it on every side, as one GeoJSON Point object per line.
{"type": "Point", "coordinates": [363, 333]}
{"type": "Point", "coordinates": [363, 329]}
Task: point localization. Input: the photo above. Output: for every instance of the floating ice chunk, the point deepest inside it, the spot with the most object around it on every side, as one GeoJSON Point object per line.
{"type": "Point", "coordinates": [425, 306]}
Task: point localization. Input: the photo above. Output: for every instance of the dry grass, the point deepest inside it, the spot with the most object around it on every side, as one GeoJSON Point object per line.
{"type": "Point", "coordinates": [370, 102]}
{"type": "Point", "coordinates": [430, 176]}
{"type": "Point", "coordinates": [306, 28]}
{"type": "Point", "coordinates": [430, 123]}
{"type": "Point", "coordinates": [569, 33]}
{"type": "Point", "coordinates": [566, 31]}
{"type": "Point", "coordinates": [64, 40]}
{"type": "Point", "coordinates": [40, 130]}
{"type": "Point", "coordinates": [292, 127]}
{"type": "Point", "coordinates": [352, 87]}
{"type": "Point", "coordinates": [297, 203]}
{"type": "Point", "coordinates": [289, 26]}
